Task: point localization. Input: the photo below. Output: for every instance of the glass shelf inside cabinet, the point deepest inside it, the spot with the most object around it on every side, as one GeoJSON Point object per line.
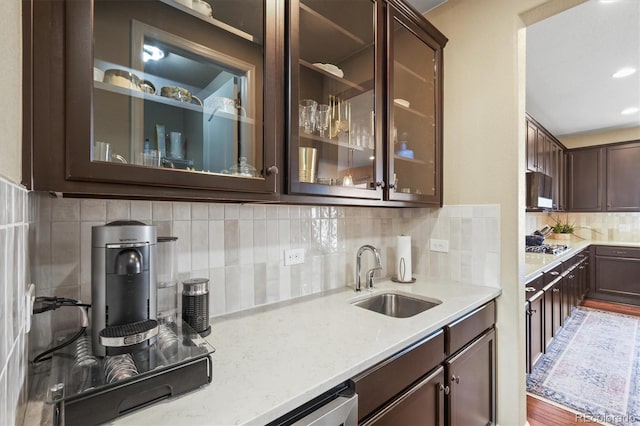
{"type": "Point", "coordinates": [336, 93]}
{"type": "Point", "coordinates": [179, 85]}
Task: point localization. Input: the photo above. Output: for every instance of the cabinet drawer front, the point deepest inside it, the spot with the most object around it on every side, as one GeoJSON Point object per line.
{"type": "Point", "coordinates": [423, 404]}
{"type": "Point", "coordinates": [618, 251]}
{"type": "Point", "coordinates": [534, 286]}
{"type": "Point", "coordinates": [382, 382]}
{"type": "Point", "coordinates": [553, 273]}
{"type": "Point", "coordinates": [619, 277]}
{"type": "Point", "coordinates": [470, 326]}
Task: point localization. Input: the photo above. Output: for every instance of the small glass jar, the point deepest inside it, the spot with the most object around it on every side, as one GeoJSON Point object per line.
{"type": "Point", "coordinates": [167, 283]}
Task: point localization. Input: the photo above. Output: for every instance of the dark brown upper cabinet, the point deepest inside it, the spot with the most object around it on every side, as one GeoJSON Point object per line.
{"type": "Point", "coordinates": [335, 94]}
{"type": "Point", "coordinates": [157, 98]}
{"type": "Point", "coordinates": [544, 153]}
{"type": "Point", "coordinates": [623, 177]}
{"type": "Point", "coordinates": [239, 100]}
{"type": "Point", "coordinates": [365, 102]}
{"type": "Point", "coordinates": [604, 177]}
{"type": "Point", "coordinates": [414, 108]}
{"type": "Point", "coordinates": [585, 179]}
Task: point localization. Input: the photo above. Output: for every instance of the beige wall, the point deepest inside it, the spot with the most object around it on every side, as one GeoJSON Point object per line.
{"type": "Point", "coordinates": [599, 138]}
{"type": "Point", "coordinates": [484, 153]}
{"type": "Point", "coordinates": [11, 89]}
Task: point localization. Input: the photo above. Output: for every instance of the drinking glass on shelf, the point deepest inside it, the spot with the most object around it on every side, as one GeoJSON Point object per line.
{"type": "Point", "coordinates": [308, 115]}
{"type": "Point", "coordinates": [322, 118]}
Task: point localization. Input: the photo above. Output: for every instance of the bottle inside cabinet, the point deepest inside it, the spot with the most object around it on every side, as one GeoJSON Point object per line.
{"type": "Point", "coordinates": [179, 84]}
{"type": "Point", "coordinates": [335, 95]}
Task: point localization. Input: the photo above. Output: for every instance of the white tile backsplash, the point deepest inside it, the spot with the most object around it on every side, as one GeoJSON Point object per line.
{"type": "Point", "coordinates": [93, 210]}
{"type": "Point", "coordinates": [241, 247]}
{"type": "Point", "coordinates": [141, 210]}
{"type": "Point", "coordinates": [14, 262]}
{"type": "Point", "coordinates": [118, 210]}
{"type": "Point", "coordinates": [594, 226]}
{"type": "Point", "coordinates": [199, 211]}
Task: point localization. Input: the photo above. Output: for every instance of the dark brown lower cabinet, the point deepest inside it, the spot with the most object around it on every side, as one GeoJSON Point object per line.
{"type": "Point", "coordinates": [548, 317]}
{"type": "Point", "coordinates": [548, 308]}
{"type": "Point", "coordinates": [422, 404]}
{"type": "Point", "coordinates": [471, 377]}
{"type": "Point", "coordinates": [385, 384]}
{"type": "Point", "coordinates": [534, 310]}
{"type": "Point", "coordinates": [567, 295]}
{"type": "Point", "coordinates": [617, 274]}
{"type": "Point", "coordinates": [556, 296]}
{"type": "Point", "coordinates": [418, 386]}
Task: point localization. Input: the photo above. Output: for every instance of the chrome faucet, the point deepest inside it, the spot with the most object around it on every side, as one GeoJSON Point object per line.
{"type": "Point", "coordinates": [370, 273]}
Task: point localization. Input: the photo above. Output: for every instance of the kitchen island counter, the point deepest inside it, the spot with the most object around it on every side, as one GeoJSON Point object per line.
{"type": "Point", "coordinates": [270, 360]}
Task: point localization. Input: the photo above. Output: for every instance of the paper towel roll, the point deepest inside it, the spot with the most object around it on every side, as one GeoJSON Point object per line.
{"type": "Point", "coordinates": [403, 258]}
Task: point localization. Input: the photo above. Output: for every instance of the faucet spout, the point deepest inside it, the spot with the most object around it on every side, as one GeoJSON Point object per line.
{"type": "Point", "coordinates": [370, 273]}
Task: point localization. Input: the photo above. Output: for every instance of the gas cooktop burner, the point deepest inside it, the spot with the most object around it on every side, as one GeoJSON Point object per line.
{"type": "Point", "coordinates": [547, 248]}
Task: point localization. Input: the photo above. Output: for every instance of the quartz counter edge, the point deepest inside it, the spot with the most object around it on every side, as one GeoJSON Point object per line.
{"type": "Point", "coordinates": [269, 361]}
{"type": "Point", "coordinates": [537, 263]}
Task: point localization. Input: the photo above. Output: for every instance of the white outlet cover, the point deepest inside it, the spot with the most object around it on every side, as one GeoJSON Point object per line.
{"type": "Point", "coordinates": [624, 227]}
{"type": "Point", "coordinates": [439, 245]}
{"type": "Point", "coordinates": [293, 256]}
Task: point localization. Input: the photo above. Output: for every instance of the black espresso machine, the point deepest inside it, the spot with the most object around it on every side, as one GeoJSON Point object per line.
{"type": "Point", "coordinates": [123, 287]}
{"type": "Point", "coordinates": [131, 358]}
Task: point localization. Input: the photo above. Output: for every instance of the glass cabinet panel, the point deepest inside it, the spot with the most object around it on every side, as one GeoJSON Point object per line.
{"type": "Point", "coordinates": [413, 138]}
{"type": "Point", "coordinates": [179, 85]}
{"type": "Point", "coordinates": [333, 126]}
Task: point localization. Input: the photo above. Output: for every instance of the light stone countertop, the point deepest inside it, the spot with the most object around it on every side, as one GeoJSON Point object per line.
{"type": "Point", "coordinates": [537, 263]}
{"type": "Point", "coordinates": [270, 360]}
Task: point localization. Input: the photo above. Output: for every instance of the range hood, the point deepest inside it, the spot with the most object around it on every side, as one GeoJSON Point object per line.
{"type": "Point", "coordinates": [539, 191]}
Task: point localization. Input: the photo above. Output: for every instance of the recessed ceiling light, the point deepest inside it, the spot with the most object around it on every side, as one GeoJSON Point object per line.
{"type": "Point", "coordinates": [624, 72]}
{"type": "Point", "coordinates": [630, 110]}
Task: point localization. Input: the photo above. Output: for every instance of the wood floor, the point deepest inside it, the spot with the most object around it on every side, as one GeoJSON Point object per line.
{"type": "Point", "coordinates": [541, 413]}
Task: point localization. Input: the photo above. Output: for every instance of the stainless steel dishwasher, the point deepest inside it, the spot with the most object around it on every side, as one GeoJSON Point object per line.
{"type": "Point", "coordinates": [336, 407]}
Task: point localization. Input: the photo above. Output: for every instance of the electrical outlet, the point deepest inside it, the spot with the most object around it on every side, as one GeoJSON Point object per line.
{"type": "Point", "coordinates": [439, 245]}
{"type": "Point", "coordinates": [624, 227]}
{"type": "Point", "coordinates": [293, 256]}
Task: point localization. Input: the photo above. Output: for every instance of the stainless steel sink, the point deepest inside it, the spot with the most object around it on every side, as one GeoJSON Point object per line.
{"type": "Point", "coordinates": [395, 304]}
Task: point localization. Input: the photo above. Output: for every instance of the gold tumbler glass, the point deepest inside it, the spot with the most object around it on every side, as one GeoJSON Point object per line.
{"type": "Point", "coordinates": [308, 159]}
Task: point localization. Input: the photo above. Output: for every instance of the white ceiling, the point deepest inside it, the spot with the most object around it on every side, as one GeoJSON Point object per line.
{"type": "Point", "coordinates": [570, 59]}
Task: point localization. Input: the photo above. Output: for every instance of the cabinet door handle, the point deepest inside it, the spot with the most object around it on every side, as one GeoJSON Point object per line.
{"type": "Point", "coordinates": [273, 170]}
{"type": "Point", "coordinates": [455, 378]}
{"type": "Point", "coordinates": [556, 290]}
{"type": "Point", "coordinates": [554, 273]}
{"type": "Point", "coordinates": [392, 185]}
{"type": "Point", "coordinates": [572, 276]}
{"type": "Point", "coordinates": [444, 389]}
{"type": "Point", "coordinates": [380, 184]}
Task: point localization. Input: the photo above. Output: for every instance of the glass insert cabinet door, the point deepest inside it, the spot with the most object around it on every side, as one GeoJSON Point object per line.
{"type": "Point", "coordinates": [414, 141]}
{"type": "Point", "coordinates": [333, 129]}
{"type": "Point", "coordinates": [179, 89]}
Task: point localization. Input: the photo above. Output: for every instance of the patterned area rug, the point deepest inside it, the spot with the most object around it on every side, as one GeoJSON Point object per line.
{"type": "Point", "coordinates": [592, 366]}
